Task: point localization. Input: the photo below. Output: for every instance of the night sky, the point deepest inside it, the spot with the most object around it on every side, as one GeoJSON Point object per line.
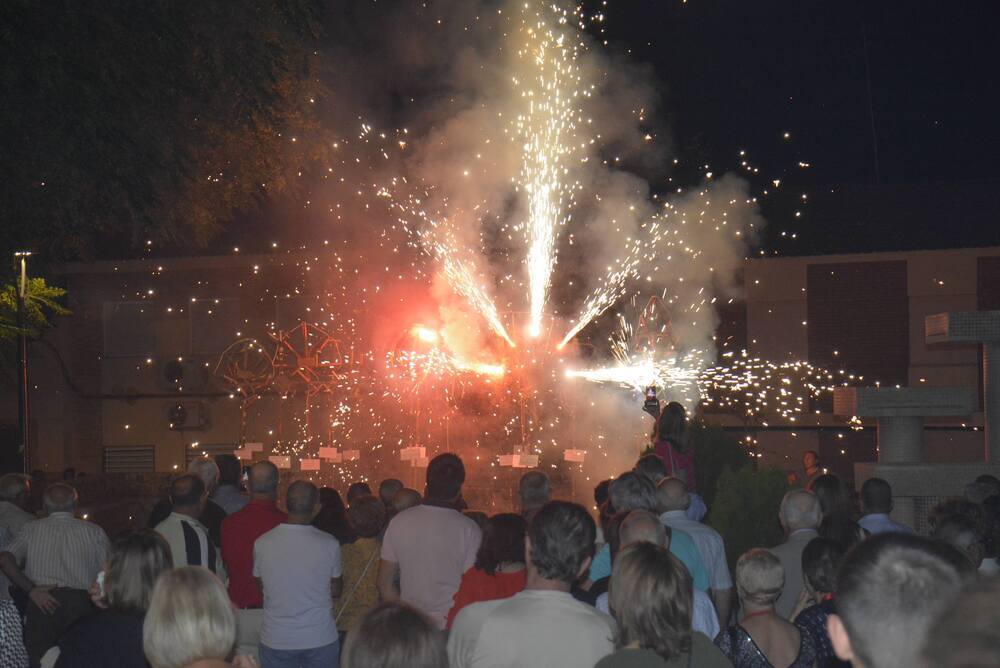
{"type": "Point", "coordinates": [737, 75]}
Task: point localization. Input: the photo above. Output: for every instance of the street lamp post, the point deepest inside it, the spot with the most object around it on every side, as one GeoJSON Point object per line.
{"type": "Point", "coordinates": [22, 357]}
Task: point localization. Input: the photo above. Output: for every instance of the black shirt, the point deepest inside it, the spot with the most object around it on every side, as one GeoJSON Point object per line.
{"type": "Point", "coordinates": [106, 639]}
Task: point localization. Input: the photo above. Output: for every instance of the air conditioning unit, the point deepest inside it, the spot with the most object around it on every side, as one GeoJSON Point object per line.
{"type": "Point", "coordinates": [187, 416]}
{"type": "Point", "coordinates": [181, 373]}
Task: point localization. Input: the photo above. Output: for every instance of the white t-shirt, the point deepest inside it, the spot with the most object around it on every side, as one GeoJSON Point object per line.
{"type": "Point", "coordinates": [433, 547]}
{"type": "Point", "coordinates": [295, 563]}
{"type": "Point", "coordinates": [541, 629]}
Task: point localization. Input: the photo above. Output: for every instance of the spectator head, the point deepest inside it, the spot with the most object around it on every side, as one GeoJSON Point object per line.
{"type": "Point", "coordinates": [206, 469]}
{"type": "Point", "coordinates": [59, 497]}
{"type": "Point", "coordinates": [15, 488]}
{"type": "Point", "coordinates": [445, 475]}
{"type": "Point", "coordinates": [965, 634]}
{"type": "Point", "coordinates": [69, 474]}
{"type": "Point", "coordinates": [503, 542]}
{"type": "Point", "coordinates": [560, 542]}
{"type": "Point", "coordinates": [190, 619]}
{"type": "Point", "coordinates": [263, 480]}
{"type": "Point", "coordinates": [613, 533]}
{"type": "Point", "coordinates": [329, 498]}
{"type": "Point", "coordinates": [672, 425]}
{"type": "Point", "coordinates": [229, 469]}
{"type": "Point", "coordinates": [534, 491]}
{"type": "Point", "coordinates": [830, 493]}
{"type": "Point", "coordinates": [367, 516]}
{"type": "Point", "coordinates": [800, 510]}
{"type": "Point", "coordinates": [477, 516]}
{"type": "Point", "coordinates": [650, 595]}
{"type": "Point", "coordinates": [302, 500]}
{"type": "Point", "coordinates": [357, 490]}
{"type": "Point", "coordinates": [991, 482]}
{"type": "Point", "coordinates": [405, 498]}
{"type": "Point", "coordinates": [890, 589]}
{"type": "Point", "coordinates": [810, 459]}
{"type": "Point", "coordinates": [642, 526]}
{"type": "Point", "coordinates": [760, 578]}
{"type": "Point", "coordinates": [388, 489]}
{"type": "Point", "coordinates": [954, 506]}
{"type": "Point", "coordinates": [133, 566]}
{"type": "Point", "coordinates": [876, 496]}
{"type": "Point", "coordinates": [820, 560]}
{"type": "Point", "coordinates": [394, 635]}
{"type": "Point", "coordinates": [602, 491]}
{"type": "Point", "coordinates": [631, 491]}
{"type": "Point", "coordinates": [652, 467]}
{"type": "Point", "coordinates": [841, 529]}
{"type": "Point", "coordinates": [188, 495]}
{"type": "Point", "coordinates": [965, 535]}
{"type": "Point", "coordinates": [672, 494]}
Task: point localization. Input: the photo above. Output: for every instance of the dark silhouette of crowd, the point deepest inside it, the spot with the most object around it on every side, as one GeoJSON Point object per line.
{"type": "Point", "coordinates": [398, 578]}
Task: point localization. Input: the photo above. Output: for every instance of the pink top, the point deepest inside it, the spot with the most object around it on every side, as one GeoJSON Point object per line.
{"type": "Point", "coordinates": [677, 461]}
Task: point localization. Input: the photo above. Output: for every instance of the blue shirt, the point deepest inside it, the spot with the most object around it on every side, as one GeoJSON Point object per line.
{"type": "Point", "coordinates": [880, 523]}
{"type": "Point", "coordinates": [681, 546]}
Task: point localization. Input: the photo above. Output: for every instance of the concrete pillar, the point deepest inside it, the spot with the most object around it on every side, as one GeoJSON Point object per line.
{"type": "Point", "coordinates": [900, 439]}
{"type": "Point", "coordinates": [991, 399]}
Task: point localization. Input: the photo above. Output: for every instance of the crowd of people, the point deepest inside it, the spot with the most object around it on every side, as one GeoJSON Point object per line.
{"type": "Point", "coordinates": [396, 578]}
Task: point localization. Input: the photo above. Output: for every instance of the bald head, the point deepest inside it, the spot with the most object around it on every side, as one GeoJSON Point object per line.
{"type": "Point", "coordinates": [59, 498]}
{"type": "Point", "coordinates": [672, 494]}
{"type": "Point", "coordinates": [800, 510]}
{"type": "Point", "coordinates": [302, 501]}
{"type": "Point", "coordinates": [642, 526]}
{"type": "Point", "coordinates": [263, 480]}
{"type": "Point", "coordinates": [405, 498]}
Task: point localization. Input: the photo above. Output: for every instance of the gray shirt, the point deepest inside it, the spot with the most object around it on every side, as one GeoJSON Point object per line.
{"type": "Point", "coordinates": [230, 498]}
{"type": "Point", "coordinates": [790, 555]}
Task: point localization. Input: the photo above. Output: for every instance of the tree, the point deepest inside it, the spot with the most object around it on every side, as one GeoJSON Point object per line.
{"type": "Point", "coordinates": [132, 122]}
{"type": "Point", "coordinates": [40, 303]}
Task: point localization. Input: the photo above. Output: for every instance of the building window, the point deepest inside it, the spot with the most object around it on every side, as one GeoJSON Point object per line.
{"type": "Point", "coordinates": [130, 459]}
{"type": "Point", "coordinates": [214, 325]}
{"type": "Point", "coordinates": [129, 329]}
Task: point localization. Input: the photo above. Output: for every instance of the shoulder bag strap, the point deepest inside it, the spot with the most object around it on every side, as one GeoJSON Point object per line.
{"type": "Point", "coordinates": [350, 596]}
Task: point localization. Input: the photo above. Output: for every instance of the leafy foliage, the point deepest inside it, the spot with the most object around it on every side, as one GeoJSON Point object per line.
{"type": "Point", "coordinates": [745, 510]}
{"type": "Point", "coordinates": [41, 302]}
{"type": "Point", "coordinates": [159, 120]}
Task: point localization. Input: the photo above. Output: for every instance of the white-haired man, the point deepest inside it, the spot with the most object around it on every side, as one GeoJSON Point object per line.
{"type": "Point", "coordinates": [62, 556]}
{"type": "Point", "coordinates": [212, 514]}
{"type": "Point", "coordinates": [800, 516]}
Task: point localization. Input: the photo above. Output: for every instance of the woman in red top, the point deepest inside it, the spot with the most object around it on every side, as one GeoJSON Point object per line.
{"type": "Point", "coordinates": [671, 442]}
{"type": "Point", "coordinates": [499, 569]}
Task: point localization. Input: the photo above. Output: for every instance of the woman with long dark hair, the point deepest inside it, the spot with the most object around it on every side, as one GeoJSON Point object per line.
{"type": "Point", "coordinates": [332, 517]}
{"type": "Point", "coordinates": [499, 570]}
{"type": "Point", "coordinates": [672, 443]}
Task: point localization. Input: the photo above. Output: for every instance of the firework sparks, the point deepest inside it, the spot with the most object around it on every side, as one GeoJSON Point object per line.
{"type": "Point", "coordinates": [549, 91]}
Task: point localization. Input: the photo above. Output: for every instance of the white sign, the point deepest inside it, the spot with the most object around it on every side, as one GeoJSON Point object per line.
{"type": "Point", "coordinates": [351, 455]}
{"type": "Point", "coordinates": [309, 464]}
{"type": "Point", "coordinates": [329, 453]}
{"type": "Point", "coordinates": [281, 461]}
{"type": "Point", "coordinates": [253, 447]}
{"type": "Point", "coordinates": [410, 454]}
{"type": "Point", "coordinates": [574, 455]}
{"type": "Point", "coordinates": [243, 453]}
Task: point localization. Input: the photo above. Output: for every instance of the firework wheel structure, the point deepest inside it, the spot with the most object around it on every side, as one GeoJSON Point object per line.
{"type": "Point", "coordinates": [306, 357]}
{"type": "Point", "coordinates": [245, 369]}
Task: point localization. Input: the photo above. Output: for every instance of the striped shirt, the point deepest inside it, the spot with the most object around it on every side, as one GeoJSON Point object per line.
{"type": "Point", "coordinates": [12, 520]}
{"type": "Point", "coordinates": [189, 543]}
{"type": "Point", "coordinates": [61, 551]}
